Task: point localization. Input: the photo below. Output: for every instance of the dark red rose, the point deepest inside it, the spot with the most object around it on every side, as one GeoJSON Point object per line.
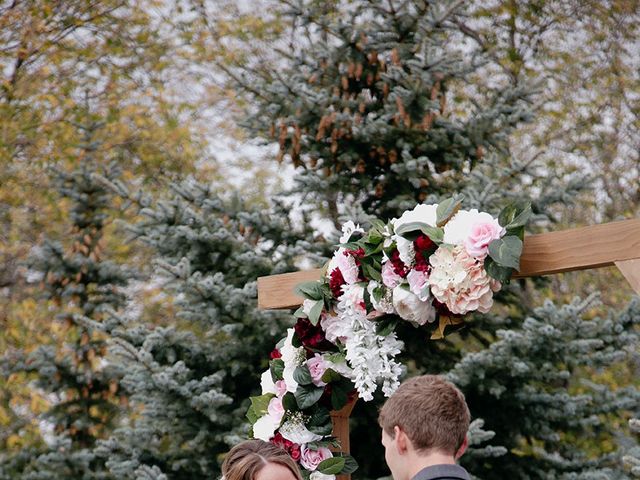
{"type": "Point", "coordinates": [422, 264]}
{"type": "Point", "coordinates": [359, 253]}
{"type": "Point", "coordinates": [293, 449]}
{"type": "Point", "coordinates": [398, 265]}
{"type": "Point", "coordinates": [275, 353]}
{"type": "Point", "coordinates": [423, 243]}
{"type": "Point", "coordinates": [336, 280]}
{"type": "Point", "coordinates": [312, 336]}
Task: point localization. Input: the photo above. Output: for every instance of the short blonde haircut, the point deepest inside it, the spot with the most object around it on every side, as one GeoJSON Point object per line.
{"type": "Point", "coordinates": [246, 459]}
{"type": "Point", "coordinates": [431, 411]}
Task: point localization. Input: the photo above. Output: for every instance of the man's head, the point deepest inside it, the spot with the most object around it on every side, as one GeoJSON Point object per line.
{"type": "Point", "coordinates": [426, 417]}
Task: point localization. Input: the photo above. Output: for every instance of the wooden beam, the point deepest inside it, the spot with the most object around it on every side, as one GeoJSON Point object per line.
{"type": "Point", "coordinates": [340, 420]}
{"type": "Point", "coordinates": [631, 271]}
{"type": "Point", "coordinates": [544, 254]}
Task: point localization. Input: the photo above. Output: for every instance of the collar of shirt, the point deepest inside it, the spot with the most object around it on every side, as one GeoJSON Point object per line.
{"type": "Point", "coordinates": [443, 472]}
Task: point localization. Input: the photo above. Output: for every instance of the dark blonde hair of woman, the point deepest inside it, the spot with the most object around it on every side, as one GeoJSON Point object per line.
{"type": "Point", "coordinates": [259, 460]}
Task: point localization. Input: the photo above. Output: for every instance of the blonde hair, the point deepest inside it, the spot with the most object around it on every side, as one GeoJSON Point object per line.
{"type": "Point", "coordinates": [246, 459]}
{"type": "Point", "coordinates": [431, 411]}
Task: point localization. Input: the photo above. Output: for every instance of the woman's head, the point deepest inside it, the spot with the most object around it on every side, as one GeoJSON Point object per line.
{"type": "Point", "coordinates": [258, 460]}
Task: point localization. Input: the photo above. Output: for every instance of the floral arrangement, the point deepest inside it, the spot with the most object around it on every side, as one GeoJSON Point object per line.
{"type": "Point", "coordinates": [429, 267]}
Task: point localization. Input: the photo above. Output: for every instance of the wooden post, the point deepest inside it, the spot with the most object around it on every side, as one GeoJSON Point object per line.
{"type": "Point", "coordinates": [340, 420]}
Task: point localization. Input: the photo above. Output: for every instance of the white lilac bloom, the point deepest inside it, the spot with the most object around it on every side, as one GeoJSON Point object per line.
{"type": "Point", "coordinates": [349, 229]}
{"type": "Point", "coordinates": [292, 358]}
{"type": "Point", "coordinates": [371, 356]}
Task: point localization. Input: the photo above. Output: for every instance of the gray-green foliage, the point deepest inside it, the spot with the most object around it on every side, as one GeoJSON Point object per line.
{"type": "Point", "coordinates": [189, 380]}
{"type": "Point", "coordinates": [375, 107]}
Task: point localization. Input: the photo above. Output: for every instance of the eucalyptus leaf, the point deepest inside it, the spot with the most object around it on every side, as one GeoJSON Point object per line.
{"type": "Point", "coordinates": [447, 209]}
{"type": "Point", "coordinates": [350, 465]}
{"type": "Point", "coordinates": [311, 290]}
{"type": "Point", "coordinates": [506, 251]}
{"type": "Point", "coordinates": [502, 274]}
{"type": "Point", "coordinates": [316, 311]}
{"type": "Point", "coordinates": [276, 367]}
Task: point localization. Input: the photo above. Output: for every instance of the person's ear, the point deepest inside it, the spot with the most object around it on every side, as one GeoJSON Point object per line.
{"type": "Point", "coordinates": [463, 448]}
{"type": "Point", "coordinates": [402, 441]}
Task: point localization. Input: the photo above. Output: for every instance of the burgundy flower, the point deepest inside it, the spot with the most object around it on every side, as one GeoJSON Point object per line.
{"type": "Point", "coordinates": [398, 265]}
{"type": "Point", "coordinates": [275, 353]}
{"type": "Point", "coordinates": [359, 253]}
{"type": "Point", "coordinates": [312, 336]}
{"type": "Point", "coordinates": [293, 449]}
{"type": "Point", "coordinates": [336, 280]}
{"type": "Point", "coordinates": [423, 243]}
{"type": "Point", "coordinates": [423, 247]}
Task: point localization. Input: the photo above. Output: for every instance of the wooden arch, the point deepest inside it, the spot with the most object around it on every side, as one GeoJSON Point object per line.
{"type": "Point", "coordinates": [608, 244]}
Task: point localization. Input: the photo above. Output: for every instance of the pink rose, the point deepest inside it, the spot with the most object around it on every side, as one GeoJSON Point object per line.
{"type": "Point", "coordinates": [310, 459]}
{"type": "Point", "coordinates": [275, 409]}
{"type": "Point", "coordinates": [417, 281]}
{"type": "Point", "coordinates": [481, 235]}
{"type": "Point", "coordinates": [317, 366]}
{"type": "Point", "coordinates": [389, 277]}
{"type": "Point", "coordinates": [281, 388]}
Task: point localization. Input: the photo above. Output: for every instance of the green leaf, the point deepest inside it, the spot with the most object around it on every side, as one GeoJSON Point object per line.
{"type": "Point", "coordinates": [330, 375]}
{"type": "Point", "coordinates": [320, 422]}
{"type": "Point", "coordinates": [311, 290]}
{"type": "Point", "coordinates": [302, 375]}
{"type": "Point", "coordinates": [339, 397]}
{"type": "Point", "coordinates": [515, 215]}
{"type": "Point", "coordinates": [385, 324]}
{"type": "Point", "coordinates": [331, 466]}
{"type": "Point", "coordinates": [306, 396]}
{"type": "Point", "coordinates": [371, 273]}
{"type": "Point", "coordinates": [276, 367]}
{"type": "Point", "coordinates": [251, 415]}
{"type": "Point", "coordinates": [315, 312]}
{"type": "Point", "coordinates": [350, 465]}
{"type": "Point", "coordinates": [434, 233]}
{"type": "Point", "coordinates": [506, 251]}
{"type": "Point", "coordinates": [502, 274]}
{"type": "Point", "coordinates": [377, 224]}
{"type": "Point", "coordinates": [261, 403]}
{"type": "Point", "coordinates": [447, 209]}
{"type": "Point", "coordinates": [299, 313]}
{"type": "Point", "coordinates": [289, 402]}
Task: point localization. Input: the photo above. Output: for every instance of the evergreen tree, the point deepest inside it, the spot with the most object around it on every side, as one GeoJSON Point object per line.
{"type": "Point", "coordinates": [73, 371]}
{"type": "Point", "coordinates": [190, 380]}
{"type": "Point", "coordinates": [376, 110]}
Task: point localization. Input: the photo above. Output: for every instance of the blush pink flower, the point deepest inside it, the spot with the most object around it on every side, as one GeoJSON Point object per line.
{"type": "Point", "coordinates": [417, 281]}
{"type": "Point", "coordinates": [460, 281]}
{"type": "Point", "coordinates": [346, 264]}
{"type": "Point", "coordinates": [281, 388]}
{"type": "Point", "coordinates": [275, 409]}
{"type": "Point", "coordinates": [317, 366]}
{"type": "Point", "coordinates": [480, 236]}
{"type": "Point", "coordinates": [389, 277]}
{"type": "Point", "coordinates": [310, 459]}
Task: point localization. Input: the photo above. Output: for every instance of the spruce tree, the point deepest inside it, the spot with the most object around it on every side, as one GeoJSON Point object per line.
{"type": "Point", "coordinates": [376, 110]}
{"type": "Point", "coordinates": [85, 288]}
{"type": "Point", "coordinates": [189, 380]}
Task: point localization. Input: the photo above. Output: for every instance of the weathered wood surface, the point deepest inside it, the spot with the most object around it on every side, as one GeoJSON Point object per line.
{"type": "Point", "coordinates": [544, 254]}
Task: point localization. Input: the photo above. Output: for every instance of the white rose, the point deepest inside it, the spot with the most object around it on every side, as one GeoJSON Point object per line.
{"type": "Point", "coordinates": [459, 227]}
{"type": "Point", "coordinates": [291, 357]}
{"type": "Point", "coordinates": [411, 308]}
{"type": "Point", "coordinates": [265, 427]}
{"type": "Point", "coordinates": [349, 229]}
{"type": "Point", "coordinates": [266, 382]}
{"type": "Point", "coordinates": [422, 213]}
